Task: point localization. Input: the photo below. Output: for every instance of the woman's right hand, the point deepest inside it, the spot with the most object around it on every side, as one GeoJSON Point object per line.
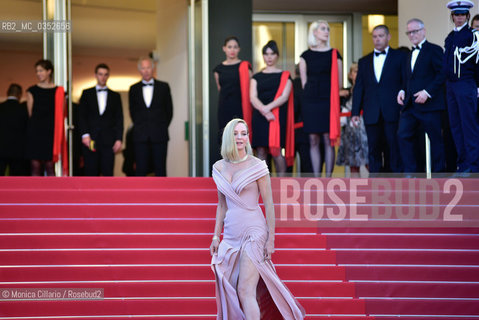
{"type": "Point", "coordinates": [355, 120]}
{"type": "Point", "coordinates": [269, 116]}
{"type": "Point", "coordinates": [215, 243]}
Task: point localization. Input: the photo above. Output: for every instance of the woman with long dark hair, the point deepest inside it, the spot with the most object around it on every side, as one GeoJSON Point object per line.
{"type": "Point", "coordinates": [273, 114]}
{"type": "Point", "coordinates": [232, 78]}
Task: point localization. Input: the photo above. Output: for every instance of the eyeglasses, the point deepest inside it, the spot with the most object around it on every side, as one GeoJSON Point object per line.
{"type": "Point", "coordinates": [409, 33]}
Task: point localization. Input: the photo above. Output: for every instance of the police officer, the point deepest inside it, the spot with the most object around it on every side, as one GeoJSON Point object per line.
{"type": "Point", "coordinates": [462, 74]}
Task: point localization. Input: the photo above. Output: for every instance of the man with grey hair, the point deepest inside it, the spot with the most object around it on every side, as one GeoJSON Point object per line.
{"type": "Point", "coordinates": [151, 110]}
{"type": "Point", "coordinates": [422, 98]}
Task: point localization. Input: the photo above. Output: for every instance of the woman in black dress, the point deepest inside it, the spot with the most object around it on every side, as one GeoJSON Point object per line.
{"type": "Point", "coordinates": [228, 80]}
{"type": "Point", "coordinates": [315, 68]}
{"type": "Point", "coordinates": [41, 109]}
{"type": "Point", "coordinates": [264, 87]}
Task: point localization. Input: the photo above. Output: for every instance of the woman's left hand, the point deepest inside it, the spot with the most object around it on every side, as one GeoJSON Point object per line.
{"type": "Point", "coordinates": [265, 110]}
{"type": "Point", "coordinates": [268, 249]}
{"type": "Point", "coordinates": [215, 243]}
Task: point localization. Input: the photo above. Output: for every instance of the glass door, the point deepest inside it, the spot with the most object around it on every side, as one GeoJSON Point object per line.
{"type": "Point", "coordinates": [198, 89]}
{"type": "Point", "coordinates": [283, 34]}
{"type": "Point", "coordinates": [291, 34]}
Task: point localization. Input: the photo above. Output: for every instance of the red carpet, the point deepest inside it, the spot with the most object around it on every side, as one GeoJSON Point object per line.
{"type": "Point", "coordinates": [145, 241]}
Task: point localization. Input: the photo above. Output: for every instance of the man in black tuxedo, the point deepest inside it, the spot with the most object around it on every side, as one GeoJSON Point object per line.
{"type": "Point", "coordinates": [101, 125]}
{"type": "Point", "coordinates": [422, 97]}
{"type": "Point", "coordinates": [13, 126]}
{"type": "Point", "coordinates": [378, 81]}
{"type": "Point", "coordinates": [151, 110]}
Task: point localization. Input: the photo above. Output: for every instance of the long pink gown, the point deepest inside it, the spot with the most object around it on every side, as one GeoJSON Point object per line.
{"type": "Point", "coordinates": [245, 232]}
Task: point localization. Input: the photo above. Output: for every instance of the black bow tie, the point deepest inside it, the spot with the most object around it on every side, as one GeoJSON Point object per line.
{"type": "Point", "coordinates": [100, 90]}
{"type": "Point", "coordinates": [378, 53]}
{"type": "Point", "coordinates": [147, 84]}
{"type": "Point", "coordinates": [416, 48]}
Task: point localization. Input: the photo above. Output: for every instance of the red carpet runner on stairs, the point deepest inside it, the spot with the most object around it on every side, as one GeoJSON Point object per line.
{"type": "Point", "coordinates": [145, 241]}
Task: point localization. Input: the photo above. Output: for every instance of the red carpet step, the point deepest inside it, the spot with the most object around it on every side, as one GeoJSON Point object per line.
{"type": "Point", "coordinates": [144, 242]}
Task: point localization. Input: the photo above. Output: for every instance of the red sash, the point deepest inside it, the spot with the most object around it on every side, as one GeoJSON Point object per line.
{"type": "Point", "coordinates": [334, 126]}
{"type": "Point", "coordinates": [59, 139]}
{"type": "Point", "coordinates": [244, 68]}
{"type": "Point", "coordinates": [274, 126]}
{"type": "Point", "coordinates": [298, 125]}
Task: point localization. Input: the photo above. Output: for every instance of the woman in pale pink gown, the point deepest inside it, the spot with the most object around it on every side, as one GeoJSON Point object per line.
{"type": "Point", "coordinates": [247, 286]}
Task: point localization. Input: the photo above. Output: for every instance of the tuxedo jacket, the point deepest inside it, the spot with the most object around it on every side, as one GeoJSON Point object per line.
{"type": "Point", "coordinates": [429, 75]}
{"type": "Point", "coordinates": [104, 129]}
{"type": "Point", "coordinates": [374, 97]}
{"type": "Point", "coordinates": [151, 123]}
{"type": "Point", "coordinates": [13, 128]}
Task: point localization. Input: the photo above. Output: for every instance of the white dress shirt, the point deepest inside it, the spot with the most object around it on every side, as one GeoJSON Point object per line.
{"type": "Point", "coordinates": [148, 91]}
{"type": "Point", "coordinates": [101, 96]}
{"type": "Point", "coordinates": [415, 53]}
{"type": "Point", "coordinates": [378, 61]}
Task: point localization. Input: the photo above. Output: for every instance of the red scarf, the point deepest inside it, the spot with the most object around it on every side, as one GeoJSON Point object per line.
{"type": "Point", "coordinates": [334, 126]}
{"type": "Point", "coordinates": [244, 68]}
{"type": "Point", "coordinates": [274, 126]}
{"type": "Point", "coordinates": [59, 139]}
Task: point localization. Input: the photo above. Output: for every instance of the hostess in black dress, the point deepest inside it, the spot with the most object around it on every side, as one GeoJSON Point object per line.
{"type": "Point", "coordinates": [41, 125]}
{"type": "Point", "coordinates": [317, 91]}
{"type": "Point", "coordinates": [267, 85]}
{"type": "Point", "coordinates": [229, 103]}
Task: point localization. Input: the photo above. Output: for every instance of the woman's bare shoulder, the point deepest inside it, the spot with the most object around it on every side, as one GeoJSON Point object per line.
{"type": "Point", "coordinates": [257, 163]}
{"type": "Point", "coordinates": [254, 160]}
{"type": "Point", "coordinates": [219, 165]}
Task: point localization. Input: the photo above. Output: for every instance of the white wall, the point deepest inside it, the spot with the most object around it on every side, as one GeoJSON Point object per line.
{"type": "Point", "coordinates": [435, 15]}
{"type": "Point", "coordinates": [172, 48]}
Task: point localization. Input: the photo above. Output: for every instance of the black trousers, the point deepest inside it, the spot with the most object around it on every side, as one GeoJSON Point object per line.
{"type": "Point", "coordinates": [18, 167]}
{"type": "Point", "coordinates": [462, 107]}
{"type": "Point", "coordinates": [144, 151]}
{"type": "Point", "coordinates": [409, 124]}
{"type": "Point", "coordinates": [376, 134]}
{"type": "Point", "coordinates": [101, 161]}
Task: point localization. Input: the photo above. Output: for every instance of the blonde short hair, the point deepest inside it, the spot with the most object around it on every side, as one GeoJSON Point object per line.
{"type": "Point", "coordinates": [312, 42]}
{"type": "Point", "coordinates": [354, 66]}
{"type": "Point", "coordinates": [141, 59]}
{"type": "Point", "coordinates": [229, 150]}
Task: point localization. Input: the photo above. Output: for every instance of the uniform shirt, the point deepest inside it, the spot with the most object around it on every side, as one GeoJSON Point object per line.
{"type": "Point", "coordinates": [455, 71]}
